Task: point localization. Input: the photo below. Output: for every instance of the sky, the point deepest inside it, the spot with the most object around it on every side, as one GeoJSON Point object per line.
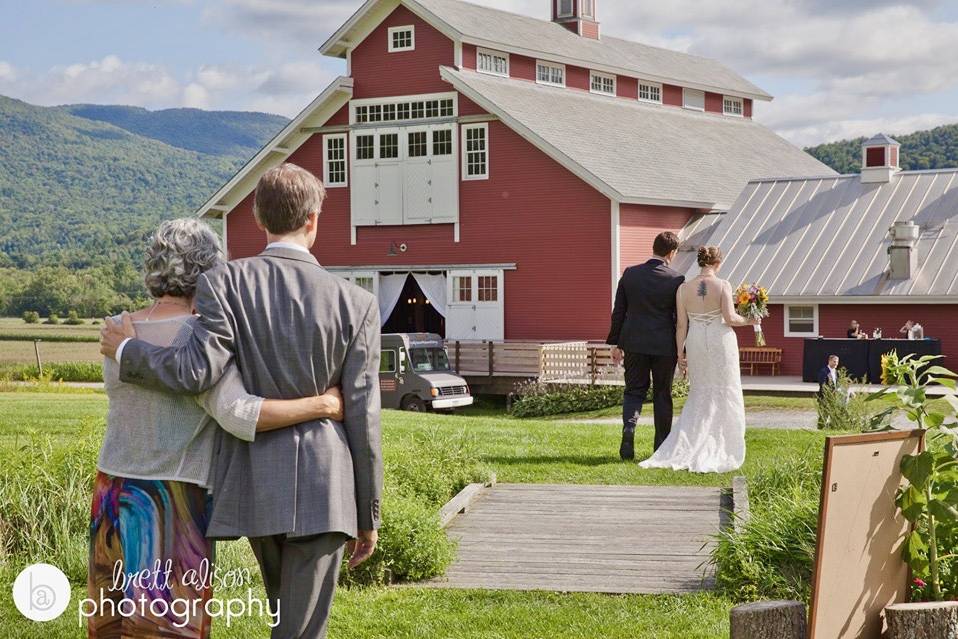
{"type": "Point", "coordinates": [837, 68]}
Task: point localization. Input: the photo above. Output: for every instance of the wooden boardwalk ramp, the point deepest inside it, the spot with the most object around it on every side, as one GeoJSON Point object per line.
{"type": "Point", "coordinates": [575, 538]}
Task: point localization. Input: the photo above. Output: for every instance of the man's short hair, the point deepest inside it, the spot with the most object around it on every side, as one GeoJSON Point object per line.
{"type": "Point", "coordinates": [665, 242]}
{"type": "Point", "coordinates": [285, 196]}
{"type": "Point", "coordinates": [831, 357]}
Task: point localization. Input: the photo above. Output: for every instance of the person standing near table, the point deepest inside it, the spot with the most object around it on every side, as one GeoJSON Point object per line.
{"type": "Point", "coordinates": [913, 330]}
{"type": "Point", "coordinates": [855, 331]}
{"type": "Point", "coordinates": [828, 376]}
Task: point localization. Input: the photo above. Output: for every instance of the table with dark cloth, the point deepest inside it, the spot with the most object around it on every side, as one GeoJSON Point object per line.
{"type": "Point", "coordinates": [861, 358]}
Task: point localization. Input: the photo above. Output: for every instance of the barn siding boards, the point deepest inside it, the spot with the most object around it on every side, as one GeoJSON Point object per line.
{"type": "Point", "coordinates": [378, 73]}
{"type": "Point", "coordinates": [638, 226]}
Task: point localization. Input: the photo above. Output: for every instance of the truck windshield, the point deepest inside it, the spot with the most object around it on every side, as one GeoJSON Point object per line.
{"type": "Point", "coordinates": [429, 359]}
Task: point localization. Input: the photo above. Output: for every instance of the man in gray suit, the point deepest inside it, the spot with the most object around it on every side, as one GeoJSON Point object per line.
{"type": "Point", "coordinates": [294, 329]}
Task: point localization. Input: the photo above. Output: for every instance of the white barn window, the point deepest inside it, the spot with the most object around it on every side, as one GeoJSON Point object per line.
{"type": "Point", "coordinates": [693, 99]}
{"type": "Point", "coordinates": [801, 320]}
{"type": "Point", "coordinates": [475, 152]}
{"type": "Point", "coordinates": [334, 154]}
{"type": "Point", "coordinates": [732, 106]}
{"type": "Point", "coordinates": [586, 8]}
{"type": "Point", "coordinates": [602, 83]}
{"type": "Point", "coordinates": [402, 38]}
{"type": "Point", "coordinates": [549, 73]}
{"type": "Point", "coordinates": [492, 62]}
{"type": "Point", "coordinates": [650, 92]}
{"type": "Point", "coordinates": [564, 8]}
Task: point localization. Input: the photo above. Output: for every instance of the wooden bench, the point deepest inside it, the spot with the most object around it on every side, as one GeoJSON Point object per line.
{"type": "Point", "coordinates": [751, 356]}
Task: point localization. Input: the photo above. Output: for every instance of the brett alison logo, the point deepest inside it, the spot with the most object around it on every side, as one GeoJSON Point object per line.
{"type": "Point", "coordinates": [41, 592]}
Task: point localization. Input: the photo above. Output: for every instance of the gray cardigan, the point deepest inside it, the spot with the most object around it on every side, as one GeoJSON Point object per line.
{"type": "Point", "coordinates": [152, 434]}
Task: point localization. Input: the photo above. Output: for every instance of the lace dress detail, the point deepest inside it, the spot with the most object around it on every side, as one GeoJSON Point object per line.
{"type": "Point", "coordinates": [709, 434]}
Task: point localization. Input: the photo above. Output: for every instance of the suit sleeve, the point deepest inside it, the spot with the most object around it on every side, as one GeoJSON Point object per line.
{"type": "Point", "coordinates": [618, 313]}
{"type": "Point", "coordinates": [822, 377]}
{"type": "Point", "coordinates": [360, 384]}
{"type": "Point", "coordinates": [193, 367]}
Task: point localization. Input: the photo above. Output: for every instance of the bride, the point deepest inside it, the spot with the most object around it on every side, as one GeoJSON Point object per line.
{"type": "Point", "coordinates": [709, 435]}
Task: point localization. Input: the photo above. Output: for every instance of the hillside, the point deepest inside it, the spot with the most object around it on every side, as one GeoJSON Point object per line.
{"type": "Point", "coordinates": [80, 192]}
{"type": "Point", "coordinates": [934, 149]}
{"type": "Point", "coordinates": [233, 133]}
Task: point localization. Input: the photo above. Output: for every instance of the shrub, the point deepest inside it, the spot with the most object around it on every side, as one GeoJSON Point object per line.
{"type": "Point", "coordinates": [55, 372]}
{"type": "Point", "coordinates": [538, 399]}
{"type": "Point", "coordinates": [844, 407]}
{"type": "Point", "coordinates": [53, 319]}
{"type": "Point", "coordinates": [31, 317]}
{"type": "Point", "coordinates": [772, 555]}
{"type": "Point", "coordinates": [73, 319]}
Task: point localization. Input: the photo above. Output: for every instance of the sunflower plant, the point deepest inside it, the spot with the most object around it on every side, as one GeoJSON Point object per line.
{"type": "Point", "coordinates": [929, 497]}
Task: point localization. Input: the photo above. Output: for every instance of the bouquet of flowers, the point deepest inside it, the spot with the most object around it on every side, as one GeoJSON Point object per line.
{"type": "Point", "coordinates": [751, 301]}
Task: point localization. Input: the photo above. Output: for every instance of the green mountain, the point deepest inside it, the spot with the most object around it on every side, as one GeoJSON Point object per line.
{"type": "Point", "coordinates": [934, 149]}
{"type": "Point", "coordinates": [82, 186]}
{"type": "Point", "coordinates": [233, 133]}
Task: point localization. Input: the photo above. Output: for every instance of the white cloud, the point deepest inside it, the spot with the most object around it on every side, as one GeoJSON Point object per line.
{"type": "Point", "coordinates": [7, 72]}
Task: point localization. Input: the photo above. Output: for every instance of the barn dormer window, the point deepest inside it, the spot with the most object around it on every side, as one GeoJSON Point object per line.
{"type": "Point", "coordinates": [587, 8]}
{"type": "Point", "coordinates": [492, 62]}
{"type": "Point", "coordinates": [550, 73]}
{"type": "Point", "coordinates": [650, 92]}
{"type": "Point", "coordinates": [693, 99]}
{"type": "Point", "coordinates": [402, 38]}
{"type": "Point", "coordinates": [564, 8]}
{"type": "Point", "coordinates": [602, 83]}
{"type": "Point", "coordinates": [732, 106]}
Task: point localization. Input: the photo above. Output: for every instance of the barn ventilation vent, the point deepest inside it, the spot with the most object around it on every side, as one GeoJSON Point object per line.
{"type": "Point", "coordinates": [901, 254]}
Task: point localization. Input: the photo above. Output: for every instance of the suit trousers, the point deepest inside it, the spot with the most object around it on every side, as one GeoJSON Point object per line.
{"type": "Point", "coordinates": [641, 371]}
{"type": "Point", "coordinates": [300, 574]}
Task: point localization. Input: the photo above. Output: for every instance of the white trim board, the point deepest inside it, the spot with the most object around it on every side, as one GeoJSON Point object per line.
{"type": "Point", "coordinates": [290, 138]}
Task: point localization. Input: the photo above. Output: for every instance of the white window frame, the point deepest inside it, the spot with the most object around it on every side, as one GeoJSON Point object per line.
{"type": "Point", "coordinates": [327, 181]}
{"type": "Point", "coordinates": [490, 52]}
{"type": "Point", "coordinates": [788, 312]}
{"type": "Point", "coordinates": [604, 76]}
{"type": "Point", "coordinates": [726, 99]}
{"type": "Point", "coordinates": [351, 277]}
{"type": "Point", "coordinates": [686, 92]}
{"type": "Point", "coordinates": [551, 66]}
{"type": "Point", "coordinates": [464, 145]}
{"type": "Point", "coordinates": [411, 28]}
{"type": "Point", "coordinates": [406, 100]}
{"type": "Point", "coordinates": [582, 11]}
{"type": "Point", "coordinates": [655, 85]}
{"type": "Point", "coordinates": [567, 14]}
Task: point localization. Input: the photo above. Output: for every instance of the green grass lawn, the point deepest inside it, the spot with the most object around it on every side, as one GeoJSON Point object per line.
{"type": "Point", "coordinates": [519, 451]}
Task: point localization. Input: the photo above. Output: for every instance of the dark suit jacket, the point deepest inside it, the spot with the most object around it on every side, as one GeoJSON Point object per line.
{"type": "Point", "coordinates": [643, 319]}
{"type": "Point", "coordinates": [824, 380]}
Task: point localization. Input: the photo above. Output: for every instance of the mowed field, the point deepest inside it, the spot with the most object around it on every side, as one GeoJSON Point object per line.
{"type": "Point", "coordinates": [17, 342]}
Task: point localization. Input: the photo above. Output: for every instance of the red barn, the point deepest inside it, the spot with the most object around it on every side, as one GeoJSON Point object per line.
{"type": "Point", "coordinates": [490, 175]}
{"type": "Point", "coordinates": [880, 247]}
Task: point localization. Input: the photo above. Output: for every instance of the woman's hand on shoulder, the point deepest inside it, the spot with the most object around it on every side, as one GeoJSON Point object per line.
{"type": "Point", "coordinates": [329, 405]}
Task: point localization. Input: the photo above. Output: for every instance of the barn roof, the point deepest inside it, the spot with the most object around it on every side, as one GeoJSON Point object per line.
{"type": "Point", "coordinates": [525, 35]}
{"type": "Point", "coordinates": [634, 152]}
{"type": "Point", "coordinates": [827, 237]}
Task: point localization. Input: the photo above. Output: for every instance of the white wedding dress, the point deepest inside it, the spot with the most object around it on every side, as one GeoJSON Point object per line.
{"type": "Point", "coordinates": [709, 434]}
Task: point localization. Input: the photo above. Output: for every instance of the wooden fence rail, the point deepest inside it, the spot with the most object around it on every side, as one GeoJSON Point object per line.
{"type": "Point", "coordinates": [570, 362]}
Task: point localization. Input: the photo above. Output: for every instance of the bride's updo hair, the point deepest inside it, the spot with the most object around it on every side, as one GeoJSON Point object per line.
{"type": "Point", "coordinates": [709, 256]}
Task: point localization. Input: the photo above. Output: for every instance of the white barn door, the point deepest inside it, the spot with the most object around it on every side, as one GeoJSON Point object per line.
{"type": "Point", "coordinates": [475, 307]}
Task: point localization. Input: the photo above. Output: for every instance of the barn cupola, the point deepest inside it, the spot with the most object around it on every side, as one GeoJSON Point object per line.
{"type": "Point", "coordinates": [578, 16]}
{"type": "Point", "coordinates": [879, 159]}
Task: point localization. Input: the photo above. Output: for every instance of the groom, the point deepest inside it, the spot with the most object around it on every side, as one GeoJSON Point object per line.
{"type": "Point", "coordinates": [643, 333]}
{"type": "Point", "coordinates": [295, 330]}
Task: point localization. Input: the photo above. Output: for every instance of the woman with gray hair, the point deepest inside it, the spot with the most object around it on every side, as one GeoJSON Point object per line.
{"type": "Point", "coordinates": [150, 504]}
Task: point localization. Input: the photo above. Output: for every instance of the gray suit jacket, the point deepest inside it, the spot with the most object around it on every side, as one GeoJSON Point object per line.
{"type": "Point", "coordinates": [295, 330]}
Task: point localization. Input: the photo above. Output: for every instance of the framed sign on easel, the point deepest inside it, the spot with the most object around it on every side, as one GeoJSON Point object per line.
{"type": "Point", "coordinates": [858, 565]}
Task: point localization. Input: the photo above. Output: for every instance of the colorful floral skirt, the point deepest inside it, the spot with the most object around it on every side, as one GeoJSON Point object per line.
{"type": "Point", "coordinates": [148, 558]}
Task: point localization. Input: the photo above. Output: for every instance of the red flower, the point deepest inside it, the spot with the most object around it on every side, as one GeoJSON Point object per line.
{"type": "Point", "coordinates": [919, 583]}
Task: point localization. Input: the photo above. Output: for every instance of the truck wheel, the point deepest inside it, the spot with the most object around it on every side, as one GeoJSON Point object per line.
{"type": "Point", "coordinates": [413, 403]}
